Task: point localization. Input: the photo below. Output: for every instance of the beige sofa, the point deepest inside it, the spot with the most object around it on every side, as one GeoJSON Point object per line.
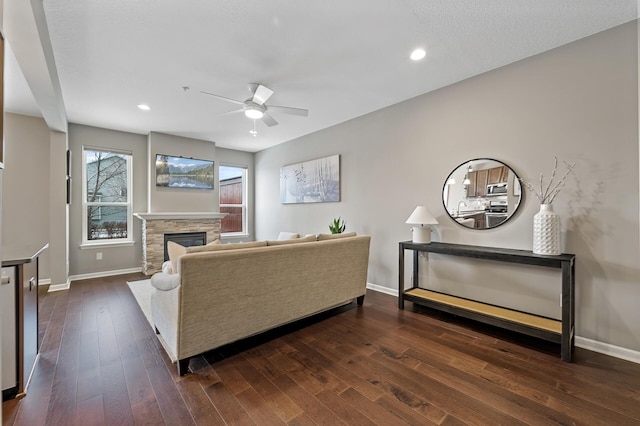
{"type": "Point", "coordinates": [222, 295]}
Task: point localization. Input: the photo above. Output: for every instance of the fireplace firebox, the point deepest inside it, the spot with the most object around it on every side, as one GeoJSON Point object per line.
{"type": "Point", "coordinates": [186, 239]}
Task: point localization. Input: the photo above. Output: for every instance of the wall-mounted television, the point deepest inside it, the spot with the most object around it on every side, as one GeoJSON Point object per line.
{"type": "Point", "coordinates": [182, 172]}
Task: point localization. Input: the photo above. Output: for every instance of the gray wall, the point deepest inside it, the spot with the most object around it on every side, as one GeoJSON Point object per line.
{"type": "Point", "coordinates": [58, 210]}
{"type": "Point", "coordinates": [147, 197]}
{"type": "Point", "coordinates": [179, 199]}
{"type": "Point", "coordinates": [83, 260]}
{"type": "Point", "coordinates": [25, 198]}
{"type": "Point", "coordinates": [196, 200]}
{"type": "Point", "coordinates": [578, 102]}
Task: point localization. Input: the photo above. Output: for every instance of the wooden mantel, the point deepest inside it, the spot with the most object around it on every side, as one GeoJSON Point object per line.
{"type": "Point", "coordinates": [179, 215]}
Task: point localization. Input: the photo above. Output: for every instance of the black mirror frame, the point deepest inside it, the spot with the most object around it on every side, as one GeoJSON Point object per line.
{"type": "Point", "coordinates": [516, 178]}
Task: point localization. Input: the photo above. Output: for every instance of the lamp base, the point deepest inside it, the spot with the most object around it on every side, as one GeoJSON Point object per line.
{"type": "Point", "coordinates": [421, 234]}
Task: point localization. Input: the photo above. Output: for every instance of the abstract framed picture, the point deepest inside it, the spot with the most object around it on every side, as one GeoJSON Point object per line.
{"type": "Point", "coordinates": [313, 181]}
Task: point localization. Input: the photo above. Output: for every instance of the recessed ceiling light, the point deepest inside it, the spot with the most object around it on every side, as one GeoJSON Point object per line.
{"type": "Point", "coordinates": [144, 107]}
{"type": "Point", "coordinates": [418, 54]}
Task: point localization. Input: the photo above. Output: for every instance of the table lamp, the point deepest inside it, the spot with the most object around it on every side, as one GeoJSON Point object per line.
{"type": "Point", "coordinates": [422, 217]}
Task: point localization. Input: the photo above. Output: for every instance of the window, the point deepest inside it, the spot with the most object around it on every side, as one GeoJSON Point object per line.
{"type": "Point", "coordinates": [233, 199]}
{"type": "Point", "coordinates": [106, 204]}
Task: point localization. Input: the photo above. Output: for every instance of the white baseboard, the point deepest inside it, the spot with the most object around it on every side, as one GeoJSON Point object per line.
{"type": "Point", "coordinates": [382, 289]}
{"type": "Point", "coordinates": [53, 287]}
{"type": "Point", "coordinates": [67, 285]}
{"type": "Point", "coordinates": [608, 349]}
{"type": "Point", "coordinates": [59, 287]}
{"type": "Point", "coordinates": [102, 274]}
{"type": "Point", "coordinates": [581, 342]}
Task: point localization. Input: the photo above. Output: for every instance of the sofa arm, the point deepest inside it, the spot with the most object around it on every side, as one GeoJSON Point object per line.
{"type": "Point", "coordinates": [165, 282]}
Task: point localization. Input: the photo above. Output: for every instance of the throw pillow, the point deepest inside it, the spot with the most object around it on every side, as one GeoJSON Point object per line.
{"type": "Point", "coordinates": [235, 246]}
{"type": "Point", "coordinates": [167, 268]}
{"type": "Point", "coordinates": [293, 241]}
{"type": "Point", "coordinates": [287, 236]}
{"type": "Point", "coordinates": [175, 251]}
{"type": "Point", "coordinates": [322, 237]}
{"type": "Point", "coordinates": [207, 247]}
{"type": "Point", "coordinates": [165, 282]}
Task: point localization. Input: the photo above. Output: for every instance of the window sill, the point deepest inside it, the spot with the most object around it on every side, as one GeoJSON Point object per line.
{"type": "Point", "coordinates": [234, 235]}
{"type": "Point", "coordinates": [105, 244]}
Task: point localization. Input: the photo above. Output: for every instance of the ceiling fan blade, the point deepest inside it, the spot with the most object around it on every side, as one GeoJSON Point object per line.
{"type": "Point", "coordinates": [269, 120]}
{"type": "Point", "coordinates": [233, 111]}
{"type": "Point", "coordinates": [289, 110]}
{"type": "Point", "coordinates": [261, 94]}
{"type": "Point", "coordinates": [223, 98]}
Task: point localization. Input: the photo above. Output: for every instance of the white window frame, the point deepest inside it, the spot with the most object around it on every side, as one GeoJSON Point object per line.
{"type": "Point", "coordinates": [245, 186]}
{"type": "Point", "coordinates": [86, 242]}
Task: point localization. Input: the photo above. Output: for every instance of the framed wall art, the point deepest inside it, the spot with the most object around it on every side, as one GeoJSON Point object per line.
{"type": "Point", "coordinates": [313, 181]}
{"type": "Point", "coordinates": [182, 172]}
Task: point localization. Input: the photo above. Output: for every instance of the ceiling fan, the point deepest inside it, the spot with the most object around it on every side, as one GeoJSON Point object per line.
{"type": "Point", "coordinates": [256, 108]}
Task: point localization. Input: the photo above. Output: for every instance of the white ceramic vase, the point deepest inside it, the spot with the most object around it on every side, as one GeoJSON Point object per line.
{"type": "Point", "coordinates": [546, 231]}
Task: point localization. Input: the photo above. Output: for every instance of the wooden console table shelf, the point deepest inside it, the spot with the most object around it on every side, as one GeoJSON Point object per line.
{"type": "Point", "coordinates": [558, 331]}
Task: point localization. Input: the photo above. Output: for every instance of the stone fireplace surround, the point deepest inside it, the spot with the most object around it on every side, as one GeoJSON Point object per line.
{"type": "Point", "coordinates": [155, 225]}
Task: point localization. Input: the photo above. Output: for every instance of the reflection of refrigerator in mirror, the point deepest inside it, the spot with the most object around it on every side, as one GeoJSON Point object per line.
{"type": "Point", "coordinates": [9, 344]}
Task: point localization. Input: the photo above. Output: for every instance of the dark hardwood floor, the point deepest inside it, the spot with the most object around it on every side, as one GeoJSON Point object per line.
{"type": "Point", "coordinates": [101, 363]}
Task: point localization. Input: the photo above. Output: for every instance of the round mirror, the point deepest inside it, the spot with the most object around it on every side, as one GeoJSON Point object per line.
{"type": "Point", "coordinates": [482, 193]}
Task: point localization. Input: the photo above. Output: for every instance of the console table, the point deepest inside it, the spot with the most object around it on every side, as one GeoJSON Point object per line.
{"type": "Point", "coordinates": [557, 331]}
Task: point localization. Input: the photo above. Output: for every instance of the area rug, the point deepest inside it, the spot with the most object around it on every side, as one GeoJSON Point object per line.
{"type": "Point", "coordinates": [142, 291]}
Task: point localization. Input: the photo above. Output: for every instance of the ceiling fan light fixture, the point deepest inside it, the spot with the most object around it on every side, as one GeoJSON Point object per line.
{"type": "Point", "coordinates": [254, 113]}
{"type": "Point", "coordinates": [418, 54]}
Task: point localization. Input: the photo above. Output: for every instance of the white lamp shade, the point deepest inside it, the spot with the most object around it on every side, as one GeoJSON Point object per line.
{"type": "Point", "coordinates": [421, 216]}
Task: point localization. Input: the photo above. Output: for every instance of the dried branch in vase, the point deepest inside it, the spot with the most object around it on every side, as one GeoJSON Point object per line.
{"type": "Point", "coordinates": [547, 193]}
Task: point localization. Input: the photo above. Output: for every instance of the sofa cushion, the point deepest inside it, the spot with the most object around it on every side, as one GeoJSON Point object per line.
{"type": "Point", "coordinates": [287, 236]}
{"type": "Point", "coordinates": [293, 241]}
{"type": "Point", "coordinates": [165, 282]}
{"type": "Point", "coordinates": [175, 251]}
{"type": "Point", "coordinates": [323, 237]}
{"type": "Point", "coordinates": [207, 247]}
{"type": "Point", "coordinates": [234, 246]}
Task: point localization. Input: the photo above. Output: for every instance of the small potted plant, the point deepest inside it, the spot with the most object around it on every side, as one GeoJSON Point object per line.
{"type": "Point", "coordinates": [337, 226]}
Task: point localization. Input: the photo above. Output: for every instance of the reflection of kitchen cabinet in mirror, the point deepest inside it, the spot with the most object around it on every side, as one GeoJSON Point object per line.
{"type": "Point", "coordinates": [481, 193]}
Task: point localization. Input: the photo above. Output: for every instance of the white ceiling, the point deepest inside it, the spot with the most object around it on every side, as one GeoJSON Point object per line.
{"type": "Point", "coordinates": [339, 59]}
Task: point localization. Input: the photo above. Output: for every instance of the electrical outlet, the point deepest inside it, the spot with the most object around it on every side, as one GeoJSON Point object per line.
{"type": "Point", "coordinates": [99, 256]}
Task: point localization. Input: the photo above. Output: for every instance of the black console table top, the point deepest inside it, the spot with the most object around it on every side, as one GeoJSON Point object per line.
{"type": "Point", "coordinates": [526, 257]}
